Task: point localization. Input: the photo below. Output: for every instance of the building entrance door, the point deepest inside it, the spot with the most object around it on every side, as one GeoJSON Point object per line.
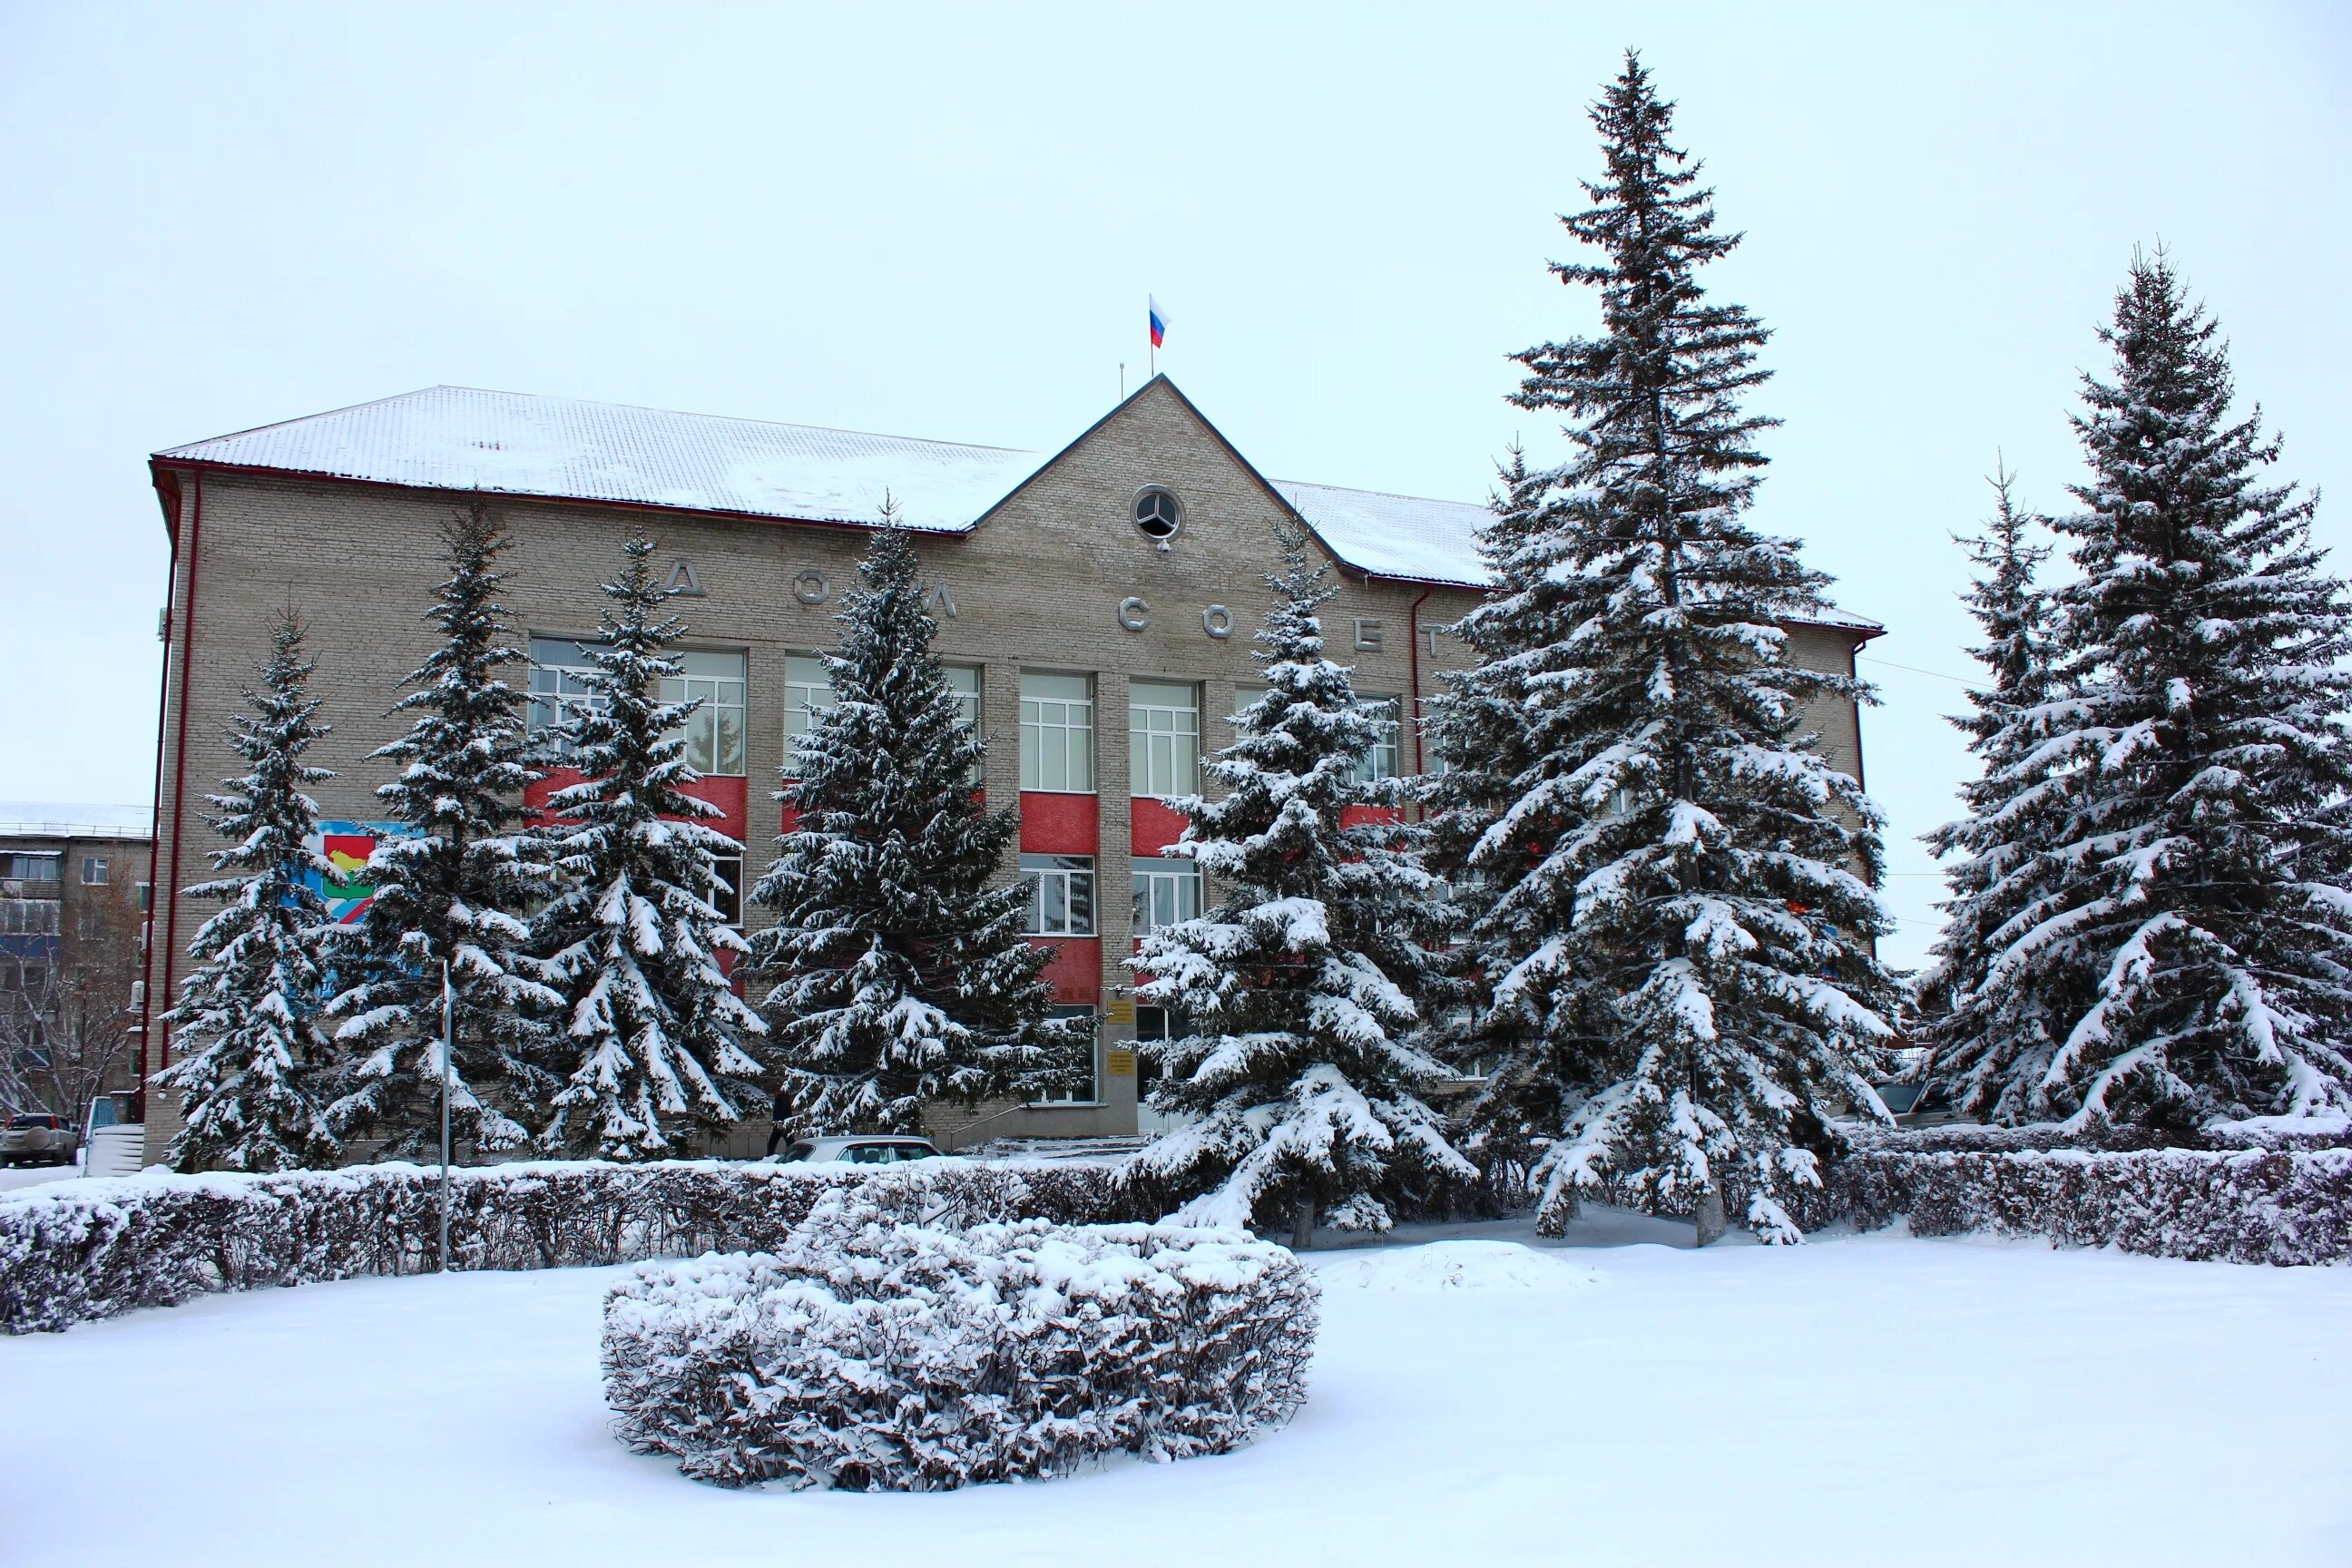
{"type": "Point", "coordinates": [1151, 1023]}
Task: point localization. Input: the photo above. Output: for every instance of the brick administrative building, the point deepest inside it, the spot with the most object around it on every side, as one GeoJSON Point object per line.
{"type": "Point", "coordinates": [1095, 608]}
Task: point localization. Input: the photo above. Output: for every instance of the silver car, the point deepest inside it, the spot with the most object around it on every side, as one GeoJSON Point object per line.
{"type": "Point", "coordinates": [877, 1150]}
{"type": "Point", "coordinates": [37, 1138]}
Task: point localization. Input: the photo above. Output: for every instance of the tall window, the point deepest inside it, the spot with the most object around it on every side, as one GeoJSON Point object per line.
{"type": "Point", "coordinates": [1382, 761]}
{"type": "Point", "coordinates": [808, 692]}
{"type": "Point", "coordinates": [1166, 891]}
{"type": "Point", "coordinates": [1154, 1024]}
{"type": "Point", "coordinates": [730, 897]}
{"type": "Point", "coordinates": [1092, 1093]}
{"type": "Point", "coordinates": [1061, 894]}
{"type": "Point", "coordinates": [963, 680]}
{"type": "Point", "coordinates": [1163, 738]}
{"type": "Point", "coordinates": [1245, 696]}
{"type": "Point", "coordinates": [1057, 733]}
{"type": "Point", "coordinates": [560, 667]}
{"type": "Point", "coordinates": [714, 731]}
{"type": "Point", "coordinates": [558, 688]}
{"type": "Point", "coordinates": [1385, 760]}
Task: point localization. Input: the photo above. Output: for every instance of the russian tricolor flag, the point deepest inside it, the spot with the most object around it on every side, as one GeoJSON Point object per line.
{"type": "Point", "coordinates": [1158, 322]}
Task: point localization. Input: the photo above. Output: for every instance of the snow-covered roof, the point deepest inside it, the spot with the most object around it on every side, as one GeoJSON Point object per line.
{"type": "Point", "coordinates": [1394, 536]}
{"type": "Point", "coordinates": [73, 819]}
{"type": "Point", "coordinates": [462, 438]}
{"type": "Point", "coordinates": [510, 443]}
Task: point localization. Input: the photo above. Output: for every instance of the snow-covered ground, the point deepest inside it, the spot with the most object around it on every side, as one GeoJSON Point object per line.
{"type": "Point", "coordinates": [1870, 1400]}
{"type": "Point", "coordinates": [15, 1176]}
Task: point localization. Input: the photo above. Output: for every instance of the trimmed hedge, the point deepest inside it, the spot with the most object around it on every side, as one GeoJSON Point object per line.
{"type": "Point", "coordinates": [876, 1352]}
{"type": "Point", "coordinates": [94, 1248]}
{"type": "Point", "coordinates": [2241, 1206]}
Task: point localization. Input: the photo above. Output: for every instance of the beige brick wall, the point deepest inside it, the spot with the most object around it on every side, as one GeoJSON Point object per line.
{"type": "Point", "coordinates": [1039, 585]}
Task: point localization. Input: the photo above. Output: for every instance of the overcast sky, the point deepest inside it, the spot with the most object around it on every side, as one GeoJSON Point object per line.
{"type": "Point", "coordinates": [943, 222]}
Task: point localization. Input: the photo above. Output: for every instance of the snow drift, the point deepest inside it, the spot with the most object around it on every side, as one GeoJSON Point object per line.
{"type": "Point", "coordinates": [874, 1352]}
{"type": "Point", "coordinates": [1445, 1266]}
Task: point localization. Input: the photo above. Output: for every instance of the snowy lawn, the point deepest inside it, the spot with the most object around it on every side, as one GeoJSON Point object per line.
{"type": "Point", "coordinates": [1475, 1401]}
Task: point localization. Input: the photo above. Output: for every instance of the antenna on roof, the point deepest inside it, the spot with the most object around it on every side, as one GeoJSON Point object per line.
{"type": "Point", "coordinates": [1122, 380]}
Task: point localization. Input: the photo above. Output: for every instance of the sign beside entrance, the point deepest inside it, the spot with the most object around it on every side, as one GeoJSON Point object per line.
{"type": "Point", "coordinates": [1120, 1063]}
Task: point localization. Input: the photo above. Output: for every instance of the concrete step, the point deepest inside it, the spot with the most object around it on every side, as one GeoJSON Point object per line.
{"type": "Point", "coordinates": [118, 1151]}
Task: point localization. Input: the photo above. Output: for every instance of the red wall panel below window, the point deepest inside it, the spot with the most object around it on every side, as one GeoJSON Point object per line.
{"type": "Point", "coordinates": [1060, 824]}
{"type": "Point", "coordinates": [1151, 827]}
{"type": "Point", "coordinates": [730, 795]}
{"type": "Point", "coordinates": [1075, 968]}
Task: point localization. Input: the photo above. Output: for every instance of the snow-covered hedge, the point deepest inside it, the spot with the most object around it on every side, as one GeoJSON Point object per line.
{"type": "Point", "coordinates": [878, 1351]}
{"type": "Point", "coordinates": [2243, 1205]}
{"type": "Point", "coordinates": [89, 1250]}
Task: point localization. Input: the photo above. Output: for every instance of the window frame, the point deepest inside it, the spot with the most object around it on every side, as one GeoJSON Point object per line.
{"type": "Point", "coordinates": [800, 700]}
{"type": "Point", "coordinates": [560, 703]}
{"type": "Point", "coordinates": [1171, 513]}
{"type": "Point", "coordinates": [545, 728]}
{"type": "Point", "coordinates": [1035, 727]}
{"type": "Point", "coordinates": [1389, 714]}
{"type": "Point", "coordinates": [1147, 873]}
{"type": "Point", "coordinates": [98, 863]}
{"type": "Point", "coordinates": [971, 707]}
{"type": "Point", "coordinates": [729, 901]}
{"type": "Point", "coordinates": [19, 865]}
{"type": "Point", "coordinates": [1070, 873]}
{"type": "Point", "coordinates": [714, 708]}
{"type": "Point", "coordinates": [1143, 742]}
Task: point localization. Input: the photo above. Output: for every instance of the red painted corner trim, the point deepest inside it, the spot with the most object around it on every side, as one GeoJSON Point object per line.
{"type": "Point", "coordinates": [171, 890]}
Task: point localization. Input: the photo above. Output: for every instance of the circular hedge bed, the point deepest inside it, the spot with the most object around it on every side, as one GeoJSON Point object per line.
{"type": "Point", "coordinates": [878, 1350]}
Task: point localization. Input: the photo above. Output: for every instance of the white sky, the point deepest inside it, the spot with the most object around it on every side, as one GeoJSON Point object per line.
{"type": "Point", "coordinates": [943, 222]}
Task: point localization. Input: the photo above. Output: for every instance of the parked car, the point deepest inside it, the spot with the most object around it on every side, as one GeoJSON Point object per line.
{"type": "Point", "coordinates": [37, 1138]}
{"type": "Point", "coordinates": [872, 1150]}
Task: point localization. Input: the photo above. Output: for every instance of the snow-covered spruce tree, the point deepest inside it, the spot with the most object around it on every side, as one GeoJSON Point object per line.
{"type": "Point", "coordinates": [650, 1038]}
{"type": "Point", "coordinates": [1675, 914]}
{"type": "Point", "coordinates": [1297, 1072]}
{"type": "Point", "coordinates": [2200, 740]}
{"type": "Point", "coordinates": [1988, 1040]}
{"type": "Point", "coordinates": [1536, 1050]}
{"type": "Point", "coordinates": [248, 1085]}
{"type": "Point", "coordinates": [903, 978]}
{"type": "Point", "coordinates": [452, 884]}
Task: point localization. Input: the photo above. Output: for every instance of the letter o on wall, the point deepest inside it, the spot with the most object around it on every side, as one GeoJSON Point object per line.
{"type": "Point", "coordinates": [1134, 614]}
{"type": "Point", "coordinates": [1217, 621]}
{"type": "Point", "coordinates": [810, 588]}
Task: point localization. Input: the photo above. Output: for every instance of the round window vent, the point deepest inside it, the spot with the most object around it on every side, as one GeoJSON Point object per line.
{"type": "Point", "coordinates": [1158, 512]}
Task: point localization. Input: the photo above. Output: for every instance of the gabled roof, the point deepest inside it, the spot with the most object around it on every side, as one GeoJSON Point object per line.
{"type": "Point", "coordinates": [511, 443]}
